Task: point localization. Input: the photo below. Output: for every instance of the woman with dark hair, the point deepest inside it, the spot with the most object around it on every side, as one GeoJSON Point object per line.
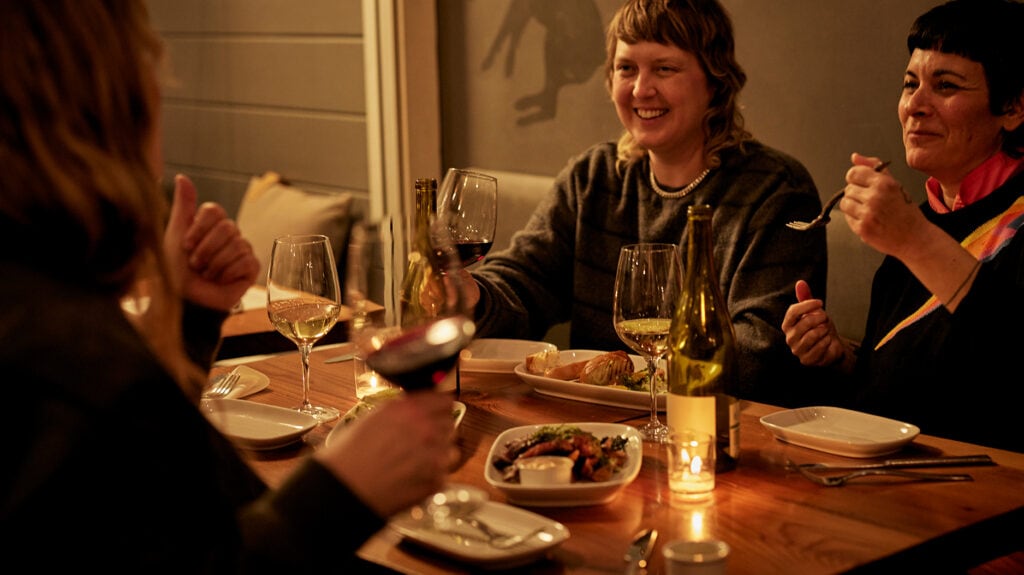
{"type": "Point", "coordinates": [674, 80]}
{"type": "Point", "coordinates": [110, 465]}
{"type": "Point", "coordinates": [933, 353]}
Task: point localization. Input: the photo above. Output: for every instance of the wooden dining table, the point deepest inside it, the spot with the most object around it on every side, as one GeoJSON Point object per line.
{"type": "Point", "coordinates": [773, 519]}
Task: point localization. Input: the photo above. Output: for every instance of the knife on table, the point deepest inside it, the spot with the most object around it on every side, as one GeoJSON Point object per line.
{"type": "Point", "coordinates": [947, 461]}
{"type": "Point", "coordinates": [639, 553]}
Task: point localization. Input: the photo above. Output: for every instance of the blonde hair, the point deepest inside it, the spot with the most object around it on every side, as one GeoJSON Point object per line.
{"type": "Point", "coordinates": [703, 28]}
{"type": "Point", "coordinates": [76, 115]}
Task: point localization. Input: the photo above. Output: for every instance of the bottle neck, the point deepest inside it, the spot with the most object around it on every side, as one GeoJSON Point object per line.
{"type": "Point", "coordinates": [699, 253]}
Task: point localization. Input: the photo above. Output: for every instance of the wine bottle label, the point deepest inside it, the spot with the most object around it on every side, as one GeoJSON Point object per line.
{"type": "Point", "coordinates": [690, 412]}
{"type": "Point", "coordinates": [734, 429]}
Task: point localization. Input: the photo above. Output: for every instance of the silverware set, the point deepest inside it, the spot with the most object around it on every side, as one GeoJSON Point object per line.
{"type": "Point", "coordinates": [820, 472]}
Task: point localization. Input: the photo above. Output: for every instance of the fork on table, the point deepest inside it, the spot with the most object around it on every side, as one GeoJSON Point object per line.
{"type": "Point", "coordinates": [824, 217]}
{"type": "Point", "coordinates": [222, 386]}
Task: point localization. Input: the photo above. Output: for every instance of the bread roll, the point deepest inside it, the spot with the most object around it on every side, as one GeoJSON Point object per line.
{"type": "Point", "coordinates": [542, 361]}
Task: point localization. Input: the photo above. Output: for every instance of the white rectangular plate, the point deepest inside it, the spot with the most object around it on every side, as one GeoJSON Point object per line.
{"type": "Point", "coordinates": [488, 355]}
{"type": "Point", "coordinates": [505, 518]}
{"type": "Point", "coordinates": [257, 426]}
{"type": "Point", "coordinates": [585, 392]}
{"type": "Point", "coordinates": [575, 494]}
{"type": "Point", "coordinates": [840, 431]}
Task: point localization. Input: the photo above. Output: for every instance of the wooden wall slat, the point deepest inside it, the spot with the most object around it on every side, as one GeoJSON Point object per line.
{"type": "Point", "coordinates": [329, 151]}
{"type": "Point", "coordinates": [322, 75]}
{"type": "Point", "coordinates": [258, 16]}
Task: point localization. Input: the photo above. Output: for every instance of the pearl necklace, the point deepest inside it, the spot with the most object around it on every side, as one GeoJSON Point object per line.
{"type": "Point", "coordinates": [681, 193]}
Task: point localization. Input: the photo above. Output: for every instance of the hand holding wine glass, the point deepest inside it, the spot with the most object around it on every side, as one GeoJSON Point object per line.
{"type": "Point", "coordinates": [415, 340]}
{"type": "Point", "coordinates": [647, 287]}
{"type": "Point", "coordinates": [468, 206]}
{"type": "Point", "coordinates": [303, 300]}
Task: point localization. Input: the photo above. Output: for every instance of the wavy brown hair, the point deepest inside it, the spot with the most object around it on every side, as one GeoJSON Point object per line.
{"type": "Point", "coordinates": [78, 106]}
{"type": "Point", "coordinates": [703, 28]}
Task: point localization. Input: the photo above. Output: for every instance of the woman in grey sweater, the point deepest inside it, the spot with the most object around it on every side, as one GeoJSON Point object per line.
{"type": "Point", "coordinates": [675, 83]}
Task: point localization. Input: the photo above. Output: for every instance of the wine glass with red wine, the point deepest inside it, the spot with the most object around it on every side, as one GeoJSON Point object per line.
{"type": "Point", "coordinates": [410, 347]}
{"type": "Point", "coordinates": [467, 203]}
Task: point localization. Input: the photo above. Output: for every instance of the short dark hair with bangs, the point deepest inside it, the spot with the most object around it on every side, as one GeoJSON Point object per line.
{"type": "Point", "coordinates": [987, 32]}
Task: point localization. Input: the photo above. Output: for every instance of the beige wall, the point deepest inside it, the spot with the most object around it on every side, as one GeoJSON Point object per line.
{"type": "Point", "coordinates": [265, 85]}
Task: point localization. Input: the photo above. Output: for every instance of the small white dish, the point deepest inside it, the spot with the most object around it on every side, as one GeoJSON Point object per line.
{"type": "Point", "coordinates": [544, 470]}
{"type": "Point", "coordinates": [574, 494]}
{"type": "Point", "coordinates": [363, 407]}
{"type": "Point", "coordinates": [415, 526]}
{"type": "Point", "coordinates": [257, 426]}
{"type": "Point", "coordinates": [250, 381]}
{"type": "Point", "coordinates": [614, 396]}
{"type": "Point", "coordinates": [840, 431]}
{"type": "Point", "coordinates": [490, 355]}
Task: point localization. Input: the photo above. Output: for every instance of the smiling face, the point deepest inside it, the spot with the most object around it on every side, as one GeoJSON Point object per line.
{"type": "Point", "coordinates": [661, 94]}
{"type": "Point", "coordinates": [948, 127]}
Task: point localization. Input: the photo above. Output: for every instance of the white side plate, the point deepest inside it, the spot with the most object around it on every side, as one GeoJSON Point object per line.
{"type": "Point", "coordinates": [250, 381]}
{"type": "Point", "coordinates": [488, 355]}
{"type": "Point", "coordinates": [257, 426]}
{"type": "Point", "coordinates": [506, 519]}
{"type": "Point", "coordinates": [840, 431]}
{"type": "Point", "coordinates": [574, 494]}
{"type": "Point", "coordinates": [362, 408]}
{"type": "Point", "coordinates": [613, 396]}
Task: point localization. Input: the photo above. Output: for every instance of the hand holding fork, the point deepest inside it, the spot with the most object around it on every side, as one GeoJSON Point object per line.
{"type": "Point", "coordinates": [824, 217]}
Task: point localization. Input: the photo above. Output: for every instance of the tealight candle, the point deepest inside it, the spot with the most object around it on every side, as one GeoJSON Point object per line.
{"type": "Point", "coordinates": [691, 464]}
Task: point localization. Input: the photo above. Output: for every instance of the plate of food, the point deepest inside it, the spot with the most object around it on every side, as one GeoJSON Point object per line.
{"type": "Point", "coordinates": [840, 431]}
{"type": "Point", "coordinates": [615, 454]}
{"type": "Point", "coordinates": [608, 378]}
{"type": "Point", "coordinates": [492, 355]}
{"type": "Point", "coordinates": [257, 426]}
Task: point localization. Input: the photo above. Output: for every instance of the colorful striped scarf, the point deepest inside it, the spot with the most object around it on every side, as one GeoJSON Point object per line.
{"type": "Point", "coordinates": [983, 243]}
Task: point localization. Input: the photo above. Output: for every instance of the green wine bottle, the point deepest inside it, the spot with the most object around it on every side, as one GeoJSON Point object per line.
{"type": "Point", "coordinates": [702, 349]}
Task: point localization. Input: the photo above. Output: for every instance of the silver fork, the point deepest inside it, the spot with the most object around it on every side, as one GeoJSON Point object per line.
{"type": "Point", "coordinates": [495, 538]}
{"type": "Point", "coordinates": [825, 216]}
{"type": "Point", "coordinates": [223, 386]}
{"type": "Point", "coordinates": [837, 480]}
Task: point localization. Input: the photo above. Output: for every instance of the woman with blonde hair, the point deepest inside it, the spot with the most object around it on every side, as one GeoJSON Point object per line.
{"type": "Point", "coordinates": [109, 463]}
{"type": "Point", "coordinates": [675, 83]}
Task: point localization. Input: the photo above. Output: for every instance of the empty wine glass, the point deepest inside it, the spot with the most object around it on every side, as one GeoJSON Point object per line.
{"type": "Point", "coordinates": [415, 347]}
{"type": "Point", "coordinates": [468, 206]}
{"type": "Point", "coordinates": [647, 285]}
{"type": "Point", "coordinates": [303, 300]}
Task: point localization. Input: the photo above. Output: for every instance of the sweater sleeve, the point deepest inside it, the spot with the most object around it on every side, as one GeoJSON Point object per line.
{"type": "Point", "coordinates": [528, 287]}
{"type": "Point", "coordinates": [312, 517]}
{"type": "Point", "coordinates": [201, 326]}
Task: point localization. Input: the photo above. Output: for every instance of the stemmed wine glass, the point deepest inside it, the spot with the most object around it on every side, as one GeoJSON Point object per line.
{"type": "Point", "coordinates": [303, 300]}
{"type": "Point", "coordinates": [467, 203]}
{"type": "Point", "coordinates": [412, 350]}
{"type": "Point", "coordinates": [647, 285]}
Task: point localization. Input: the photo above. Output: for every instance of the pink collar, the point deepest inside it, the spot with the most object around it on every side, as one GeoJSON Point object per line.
{"type": "Point", "coordinates": [979, 183]}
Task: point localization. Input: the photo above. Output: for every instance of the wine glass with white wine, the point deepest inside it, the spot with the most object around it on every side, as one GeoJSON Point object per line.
{"type": "Point", "coordinates": [303, 300]}
{"type": "Point", "coordinates": [647, 285]}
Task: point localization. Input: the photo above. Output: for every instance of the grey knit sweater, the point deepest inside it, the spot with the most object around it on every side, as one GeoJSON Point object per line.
{"type": "Point", "coordinates": [561, 266]}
